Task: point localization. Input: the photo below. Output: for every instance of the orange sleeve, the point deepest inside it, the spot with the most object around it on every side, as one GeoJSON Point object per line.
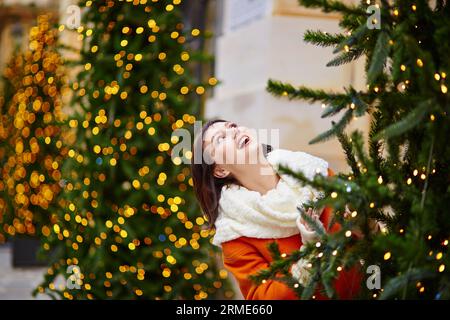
{"type": "Point", "coordinates": [330, 172]}
{"type": "Point", "coordinates": [243, 260]}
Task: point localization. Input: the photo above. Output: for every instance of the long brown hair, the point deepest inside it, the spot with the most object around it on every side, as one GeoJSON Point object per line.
{"type": "Point", "coordinates": [207, 187]}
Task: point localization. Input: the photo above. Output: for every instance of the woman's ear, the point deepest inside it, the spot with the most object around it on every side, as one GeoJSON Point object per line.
{"type": "Point", "coordinates": [220, 172]}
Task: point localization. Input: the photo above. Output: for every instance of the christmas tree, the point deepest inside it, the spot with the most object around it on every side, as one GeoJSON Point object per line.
{"type": "Point", "coordinates": [128, 227]}
{"type": "Point", "coordinates": [8, 83]}
{"type": "Point", "coordinates": [400, 175]}
{"type": "Point", "coordinates": [31, 150]}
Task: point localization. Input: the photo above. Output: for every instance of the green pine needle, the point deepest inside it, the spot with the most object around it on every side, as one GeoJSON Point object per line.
{"type": "Point", "coordinates": [323, 39]}
{"type": "Point", "coordinates": [380, 54]}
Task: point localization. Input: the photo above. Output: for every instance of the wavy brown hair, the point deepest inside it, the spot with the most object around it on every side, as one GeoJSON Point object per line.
{"type": "Point", "coordinates": [207, 187]}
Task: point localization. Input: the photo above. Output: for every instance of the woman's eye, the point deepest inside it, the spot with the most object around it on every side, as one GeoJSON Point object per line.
{"type": "Point", "coordinates": [233, 125]}
{"type": "Point", "coordinates": [219, 138]}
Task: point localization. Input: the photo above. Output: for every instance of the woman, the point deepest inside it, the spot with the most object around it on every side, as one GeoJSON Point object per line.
{"type": "Point", "coordinates": [249, 203]}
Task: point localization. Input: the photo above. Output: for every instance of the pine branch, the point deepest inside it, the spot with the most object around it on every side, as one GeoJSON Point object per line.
{"type": "Point", "coordinates": [351, 97]}
{"type": "Point", "coordinates": [398, 53]}
{"type": "Point", "coordinates": [333, 109]}
{"type": "Point", "coordinates": [400, 282]}
{"type": "Point", "coordinates": [346, 57]}
{"type": "Point", "coordinates": [353, 38]}
{"type": "Point", "coordinates": [323, 39]}
{"type": "Point", "coordinates": [358, 145]}
{"type": "Point", "coordinates": [380, 54]}
{"type": "Point", "coordinates": [410, 121]}
{"type": "Point", "coordinates": [279, 88]}
{"type": "Point", "coordinates": [309, 290]}
{"type": "Point", "coordinates": [348, 150]}
{"type": "Point", "coordinates": [361, 107]}
{"type": "Point", "coordinates": [374, 144]}
{"type": "Point", "coordinates": [317, 227]}
{"type": "Point", "coordinates": [333, 6]}
{"type": "Point", "coordinates": [335, 129]}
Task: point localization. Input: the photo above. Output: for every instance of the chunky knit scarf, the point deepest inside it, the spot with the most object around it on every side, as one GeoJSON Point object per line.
{"type": "Point", "coordinates": [244, 212]}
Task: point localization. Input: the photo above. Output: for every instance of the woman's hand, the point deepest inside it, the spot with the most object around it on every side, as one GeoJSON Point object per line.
{"type": "Point", "coordinates": [300, 270]}
{"type": "Point", "coordinates": [306, 231]}
{"type": "Point", "coordinates": [314, 215]}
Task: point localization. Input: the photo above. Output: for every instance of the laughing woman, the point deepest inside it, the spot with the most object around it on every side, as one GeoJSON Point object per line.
{"type": "Point", "coordinates": [249, 204]}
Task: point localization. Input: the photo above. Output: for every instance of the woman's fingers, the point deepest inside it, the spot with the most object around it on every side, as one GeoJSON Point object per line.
{"type": "Point", "coordinates": [313, 215]}
{"type": "Point", "coordinates": [303, 222]}
{"type": "Point", "coordinates": [308, 212]}
{"type": "Point", "coordinates": [347, 212]}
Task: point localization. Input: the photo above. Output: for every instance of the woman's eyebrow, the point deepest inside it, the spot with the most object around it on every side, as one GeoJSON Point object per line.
{"type": "Point", "coordinates": [214, 135]}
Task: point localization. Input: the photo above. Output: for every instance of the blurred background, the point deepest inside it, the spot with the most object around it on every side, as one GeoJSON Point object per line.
{"type": "Point", "coordinates": [253, 40]}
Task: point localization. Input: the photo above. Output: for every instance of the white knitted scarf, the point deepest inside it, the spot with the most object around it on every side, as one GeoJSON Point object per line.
{"type": "Point", "coordinates": [244, 212]}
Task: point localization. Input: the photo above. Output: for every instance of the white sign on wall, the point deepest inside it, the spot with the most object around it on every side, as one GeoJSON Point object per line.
{"type": "Point", "coordinates": [239, 13]}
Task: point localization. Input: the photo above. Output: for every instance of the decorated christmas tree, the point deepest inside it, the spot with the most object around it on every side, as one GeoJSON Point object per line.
{"type": "Point", "coordinates": [31, 149]}
{"type": "Point", "coordinates": [400, 176]}
{"type": "Point", "coordinates": [129, 226]}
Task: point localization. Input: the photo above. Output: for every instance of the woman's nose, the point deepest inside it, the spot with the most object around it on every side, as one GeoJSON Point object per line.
{"type": "Point", "coordinates": [233, 131]}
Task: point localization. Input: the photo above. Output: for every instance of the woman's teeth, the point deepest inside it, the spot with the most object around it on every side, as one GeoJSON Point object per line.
{"type": "Point", "coordinates": [243, 141]}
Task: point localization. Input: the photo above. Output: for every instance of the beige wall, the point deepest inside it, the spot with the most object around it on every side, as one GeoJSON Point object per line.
{"type": "Point", "coordinates": [273, 47]}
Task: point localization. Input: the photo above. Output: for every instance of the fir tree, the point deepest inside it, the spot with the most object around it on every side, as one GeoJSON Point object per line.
{"type": "Point", "coordinates": [400, 175]}
{"type": "Point", "coordinates": [31, 147]}
{"type": "Point", "coordinates": [129, 227]}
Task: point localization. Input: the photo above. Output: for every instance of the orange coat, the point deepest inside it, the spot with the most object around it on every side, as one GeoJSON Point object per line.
{"type": "Point", "coordinates": [244, 256]}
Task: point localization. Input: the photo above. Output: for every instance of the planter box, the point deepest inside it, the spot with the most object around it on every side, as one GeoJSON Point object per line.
{"type": "Point", "coordinates": [24, 252]}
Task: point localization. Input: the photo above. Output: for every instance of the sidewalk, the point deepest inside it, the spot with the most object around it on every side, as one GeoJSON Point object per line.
{"type": "Point", "coordinates": [17, 283]}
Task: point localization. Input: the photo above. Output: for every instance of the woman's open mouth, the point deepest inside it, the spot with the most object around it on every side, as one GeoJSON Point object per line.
{"type": "Point", "coordinates": [244, 140]}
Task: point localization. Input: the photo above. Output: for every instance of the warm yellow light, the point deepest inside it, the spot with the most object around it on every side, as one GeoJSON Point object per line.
{"type": "Point", "coordinates": [184, 90]}
{"type": "Point", "coordinates": [200, 90]}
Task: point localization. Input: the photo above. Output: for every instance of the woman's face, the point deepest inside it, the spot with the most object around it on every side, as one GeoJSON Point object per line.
{"type": "Point", "coordinates": [230, 145]}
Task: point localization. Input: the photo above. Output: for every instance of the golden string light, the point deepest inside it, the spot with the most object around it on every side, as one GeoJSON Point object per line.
{"type": "Point", "coordinates": [39, 84]}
